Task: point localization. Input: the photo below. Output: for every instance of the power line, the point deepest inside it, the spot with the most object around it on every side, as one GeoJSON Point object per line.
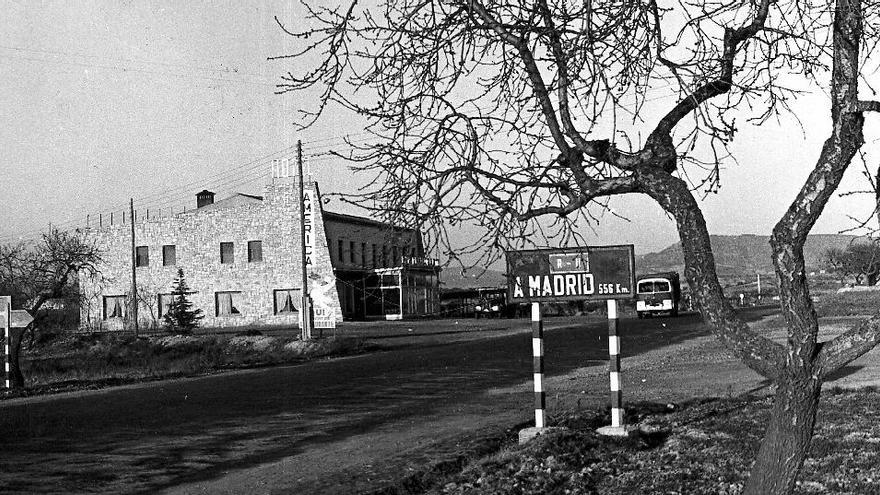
{"type": "Point", "coordinates": [130, 60]}
{"type": "Point", "coordinates": [233, 176]}
{"type": "Point", "coordinates": [144, 71]}
{"type": "Point", "coordinates": [227, 178]}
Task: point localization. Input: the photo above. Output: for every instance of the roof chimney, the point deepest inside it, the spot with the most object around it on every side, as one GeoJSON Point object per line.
{"type": "Point", "coordinates": [204, 198]}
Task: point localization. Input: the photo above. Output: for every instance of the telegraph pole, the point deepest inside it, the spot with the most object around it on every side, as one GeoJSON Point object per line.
{"type": "Point", "coordinates": [134, 291]}
{"type": "Point", "coordinates": [306, 306]}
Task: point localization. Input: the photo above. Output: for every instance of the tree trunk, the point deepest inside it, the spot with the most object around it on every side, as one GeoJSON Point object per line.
{"type": "Point", "coordinates": [16, 378]}
{"type": "Point", "coordinates": [787, 439]}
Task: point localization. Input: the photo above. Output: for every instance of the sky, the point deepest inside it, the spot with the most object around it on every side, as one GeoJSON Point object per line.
{"type": "Point", "coordinates": [155, 101]}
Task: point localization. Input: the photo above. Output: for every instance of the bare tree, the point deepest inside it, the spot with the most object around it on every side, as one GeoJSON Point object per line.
{"type": "Point", "coordinates": [859, 261]}
{"type": "Point", "coordinates": [835, 260]}
{"type": "Point", "coordinates": [525, 117]}
{"type": "Point", "coordinates": [35, 274]}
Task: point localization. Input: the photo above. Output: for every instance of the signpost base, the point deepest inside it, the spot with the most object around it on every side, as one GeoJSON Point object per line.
{"type": "Point", "coordinates": [615, 431]}
{"type": "Point", "coordinates": [527, 434]}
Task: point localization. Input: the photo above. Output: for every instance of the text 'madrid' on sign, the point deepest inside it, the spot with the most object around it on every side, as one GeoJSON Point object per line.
{"type": "Point", "coordinates": [571, 274]}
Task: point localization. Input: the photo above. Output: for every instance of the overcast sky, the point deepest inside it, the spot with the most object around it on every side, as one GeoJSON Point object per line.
{"type": "Point", "coordinates": [104, 101]}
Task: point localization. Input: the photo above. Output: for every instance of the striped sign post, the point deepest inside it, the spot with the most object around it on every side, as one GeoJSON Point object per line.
{"type": "Point", "coordinates": [584, 273]}
{"type": "Point", "coordinates": [614, 366]}
{"type": "Point", "coordinates": [538, 361]}
{"type": "Point", "coordinates": [6, 321]}
{"type": "Point", "coordinates": [618, 428]}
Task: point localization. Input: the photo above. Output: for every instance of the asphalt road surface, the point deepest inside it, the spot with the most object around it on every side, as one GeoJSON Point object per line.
{"type": "Point", "coordinates": [335, 426]}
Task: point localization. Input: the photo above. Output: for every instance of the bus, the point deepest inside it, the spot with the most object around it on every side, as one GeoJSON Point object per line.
{"type": "Point", "coordinates": [658, 293]}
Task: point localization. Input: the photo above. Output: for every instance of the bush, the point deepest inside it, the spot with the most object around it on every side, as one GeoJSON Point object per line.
{"type": "Point", "coordinates": [97, 358]}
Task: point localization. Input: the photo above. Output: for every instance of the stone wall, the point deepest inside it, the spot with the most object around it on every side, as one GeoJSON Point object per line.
{"type": "Point", "coordinates": [197, 235]}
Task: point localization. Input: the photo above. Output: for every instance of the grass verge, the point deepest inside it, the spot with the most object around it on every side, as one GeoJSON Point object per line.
{"type": "Point", "coordinates": [854, 303]}
{"type": "Point", "coordinates": [704, 447]}
{"type": "Point", "coordinates": [88, 361]}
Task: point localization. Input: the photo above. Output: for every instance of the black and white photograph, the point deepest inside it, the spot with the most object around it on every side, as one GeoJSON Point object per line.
{"type": "Point", "coordinates": [445, 247]}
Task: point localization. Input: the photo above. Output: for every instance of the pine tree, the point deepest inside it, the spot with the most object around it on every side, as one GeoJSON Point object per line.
{"type": "Point", "coordinates": [181, 317]}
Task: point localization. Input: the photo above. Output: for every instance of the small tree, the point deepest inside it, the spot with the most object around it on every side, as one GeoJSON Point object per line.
{"type": "Point", "coordinates": [860, 261]}
{"type": "Point", "coordinates": [181, 317]}
{"type": "Point", "coordinates": [35, 273]}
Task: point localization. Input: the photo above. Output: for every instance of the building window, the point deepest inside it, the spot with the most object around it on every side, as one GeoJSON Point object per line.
{"type": "Point", "coordinates": [255, 251]}
{"type": "Point", "coordinates": [395, 259]}
{"type": "Point", "coordinates": [382, 294]}
{"type": "Point", "coordinates": [339, 254]}
{"type": "Point", "coordinates": [169, 255]}
{"type": "Point", "coordinates": [351, 252]}
{"type": "Point", "coordinates": [287, 301]}
{"type": "Point", "coordinates": [227, 253]}
{"type": "Point", "coordinates": [384, 256]}
{"type": "Point", "coordinates": [227, 303]}
{"type": "Point", "coordinates": [364, 254]}
{"type": "Point", "coordinates": [114, 307]}
{"type": "Point", "coordinates": [141, 256]}
{"type": "Point", "coordinates": [374, 256]}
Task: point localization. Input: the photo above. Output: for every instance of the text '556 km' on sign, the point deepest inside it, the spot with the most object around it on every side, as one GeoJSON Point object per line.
{"type": "Point", "coordinates": [571, 274]}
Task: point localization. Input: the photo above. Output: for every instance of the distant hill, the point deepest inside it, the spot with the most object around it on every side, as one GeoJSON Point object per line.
{"type": "Point", "coordinates": [451, 278]}
{"type": "Point", "coordinates": [740, 255]}
{"type": "Point", "coordinates": [737, 257]}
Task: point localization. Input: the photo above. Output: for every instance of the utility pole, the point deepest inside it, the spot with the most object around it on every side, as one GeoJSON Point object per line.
{"type": "Point", "coordinates": [134, 291]}
{"type": "Point", "coordinates": [306, 306]}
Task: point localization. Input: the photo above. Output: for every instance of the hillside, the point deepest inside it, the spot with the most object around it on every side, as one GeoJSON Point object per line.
{"type": "Point", "coordinates": [738, 255]}
{"type": "Point", "coordinates": [475, 277]}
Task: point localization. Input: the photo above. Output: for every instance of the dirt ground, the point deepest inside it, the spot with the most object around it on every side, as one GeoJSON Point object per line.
{"type": "Point", "coordinates": [694, 368]}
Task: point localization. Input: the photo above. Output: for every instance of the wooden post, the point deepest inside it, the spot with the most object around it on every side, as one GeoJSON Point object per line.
{"type": "Point", "coordinates": [134, 300]}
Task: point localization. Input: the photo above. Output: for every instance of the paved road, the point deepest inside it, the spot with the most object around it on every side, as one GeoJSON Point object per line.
{"type": "Point", "coordinates": [342, 418]}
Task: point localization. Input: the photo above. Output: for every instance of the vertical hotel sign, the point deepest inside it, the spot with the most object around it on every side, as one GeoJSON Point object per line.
{"type": "Point", "coordinates": [571, 274]}
{"type": "Point", "coordinates": [6, 323]}
{"type": "Point", "coordinates": [309, 224]}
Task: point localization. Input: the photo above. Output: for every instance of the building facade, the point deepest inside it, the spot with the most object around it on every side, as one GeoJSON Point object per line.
{"type": "Point", "coordinates": [381, 270]}
{"type": "Point", "coordinates": [241, 258]}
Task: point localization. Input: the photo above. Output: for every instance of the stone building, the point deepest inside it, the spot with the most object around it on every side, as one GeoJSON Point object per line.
{"type": "Point", "coordinates": [241, 257]}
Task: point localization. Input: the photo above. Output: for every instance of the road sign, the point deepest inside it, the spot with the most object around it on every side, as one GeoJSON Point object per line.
{"type": "Point", "coordinates": [571, 274]}
{"type": "Point", "coordinates": [20, 318]}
